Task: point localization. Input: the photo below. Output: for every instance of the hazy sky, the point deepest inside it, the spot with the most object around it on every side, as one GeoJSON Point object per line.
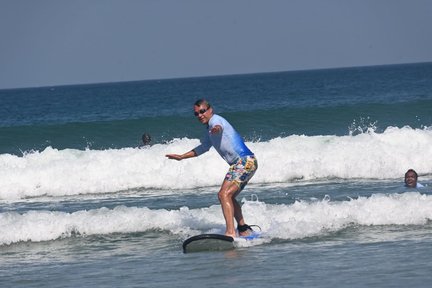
{"type": "Point", "coordinates": [55, 42]}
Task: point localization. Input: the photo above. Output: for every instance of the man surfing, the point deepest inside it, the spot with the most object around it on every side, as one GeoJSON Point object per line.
{"type": "Point", "coordinates": [231, 147]}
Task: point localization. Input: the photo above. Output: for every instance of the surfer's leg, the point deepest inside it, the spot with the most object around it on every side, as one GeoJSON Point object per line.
{"type": "Point", "coordinates": [238, 215]}
{"type": "Point", "coordinates": [242, 227]}
{"type": "Point", "coordinates": [229, 205]}
{"type": "Point", "coordinates": [235, 180]}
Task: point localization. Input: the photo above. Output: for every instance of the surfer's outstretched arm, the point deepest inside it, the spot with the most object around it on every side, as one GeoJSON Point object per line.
{"type": "Point", "coordinates": [179, 157]}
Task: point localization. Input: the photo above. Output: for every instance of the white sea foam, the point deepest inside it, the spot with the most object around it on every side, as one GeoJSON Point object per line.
{"type": "Point", "coordinates": [294, 221]}
{"type": "Point", "coordinates": [369, 155]}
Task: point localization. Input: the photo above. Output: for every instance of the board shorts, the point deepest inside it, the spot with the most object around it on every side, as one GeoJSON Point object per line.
{"type": "Point", "coordinates": [242, 171]}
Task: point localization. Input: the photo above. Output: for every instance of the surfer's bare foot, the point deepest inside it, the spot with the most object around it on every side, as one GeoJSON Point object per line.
{"type": "Point", "coordinates": [231, 235]}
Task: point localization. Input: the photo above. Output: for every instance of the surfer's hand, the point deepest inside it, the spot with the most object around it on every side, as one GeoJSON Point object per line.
{"type": "Point", "coordinates": [174, 156]}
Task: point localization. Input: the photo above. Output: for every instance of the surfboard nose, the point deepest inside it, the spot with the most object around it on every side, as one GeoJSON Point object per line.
{"type": "Point", "coordinates": [208, 242]}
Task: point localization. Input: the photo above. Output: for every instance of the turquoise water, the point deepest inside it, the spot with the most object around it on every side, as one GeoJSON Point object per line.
{"type": "Point", "coordinates": [81, 204]}
{"type": "Point", "coordinates": [320, 102]}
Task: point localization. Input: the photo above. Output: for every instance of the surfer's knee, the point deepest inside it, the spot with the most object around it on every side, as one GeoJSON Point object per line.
{"type": "Point", "coordinates": [223, 195]}
{"type": "Point", "coordinates": [227, 192]}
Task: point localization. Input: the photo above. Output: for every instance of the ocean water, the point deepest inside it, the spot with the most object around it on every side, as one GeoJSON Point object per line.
{"type": "Point", "coordinates": [82, 203]}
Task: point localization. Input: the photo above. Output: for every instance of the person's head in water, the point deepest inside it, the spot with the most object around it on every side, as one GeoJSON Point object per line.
{"type": "Point", "coordinates": [146, 139]}
{"type": "Point", "coordinates": [411, 178]}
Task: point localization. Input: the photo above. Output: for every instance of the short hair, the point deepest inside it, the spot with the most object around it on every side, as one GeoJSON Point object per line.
{"type": "Point", "coordinates": [412, 170]}
{"type": "Point", "coordinates": [200, 102]}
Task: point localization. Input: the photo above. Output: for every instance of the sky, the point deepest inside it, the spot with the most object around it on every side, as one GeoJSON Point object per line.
{"type": "Point", "coordinates": [64, 42]}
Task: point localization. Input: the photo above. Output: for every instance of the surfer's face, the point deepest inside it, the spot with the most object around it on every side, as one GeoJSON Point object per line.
{"type": "Point", "coordinates": [410, 179]}
{"type": "Point", "coordinates": [203, 113]}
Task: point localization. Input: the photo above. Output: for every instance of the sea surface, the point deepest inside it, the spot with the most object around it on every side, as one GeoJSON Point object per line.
{"type": "Point", "coordinates": [84, 204]}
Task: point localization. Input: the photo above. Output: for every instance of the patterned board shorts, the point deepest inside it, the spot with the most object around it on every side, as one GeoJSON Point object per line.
{"type": "Point", "coordinates": [242, 171]}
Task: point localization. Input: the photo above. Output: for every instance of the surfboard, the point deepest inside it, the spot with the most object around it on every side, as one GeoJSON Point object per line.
{"type": "Point", "coordinates": [208, 242]}
{"type": "Point", "coordinates": [213, 242]}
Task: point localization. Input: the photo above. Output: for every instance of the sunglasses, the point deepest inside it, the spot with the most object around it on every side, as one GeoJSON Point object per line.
{"type": "Point", "coordinates": [202, 111]}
